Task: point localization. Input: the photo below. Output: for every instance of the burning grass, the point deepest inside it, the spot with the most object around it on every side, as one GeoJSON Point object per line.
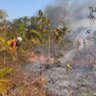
{"type": "Point", "coordinates": [33, 57]}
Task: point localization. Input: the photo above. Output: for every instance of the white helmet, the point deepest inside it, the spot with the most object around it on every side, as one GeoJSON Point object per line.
{"type": "Point", "coordinates": [19, 39]}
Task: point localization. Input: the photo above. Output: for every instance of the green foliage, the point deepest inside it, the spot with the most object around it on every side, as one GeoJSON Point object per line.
{"type": "Point", "coordinates": [40, 13]}
{"type": "Point", "coordinates": [5, 71]}
{"type": "Point", "coordinates": [61, 54]}
{"type": "Point", "coordinates": [58, 34]}
{"type": "Point", "coordinates": [4, 83]}
{"type": "Point", "coordinates": [3, 45]}
{"type": "Point", "coordinates": [45, 21]}
{"type": "Point", "coordinates": [66, 30]}
{"type": "Point", "coordinates": [56, 62]}
{"type": "Point", "coordinates": [89, 91]}
{"type": "Point", "coordinates": [21, 27]}
{"type": "Point", "coordinates": [3, 14]}
{"type": "Point", "coordinates": [84, 94]}
{"type": "Point", "coordinates": [62, 21]}
{"type": "Point", "coordinates": [35, 34]}
{"type": "Point", "coordinates": [38, 52]}
{"type": "Point", "coordinates": [40, 28]}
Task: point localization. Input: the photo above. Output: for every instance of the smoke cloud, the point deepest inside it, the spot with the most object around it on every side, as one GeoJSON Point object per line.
{"type": "Point", "coordinates": [69, 55]}
{"type": "Point", "coordinates": [75, 13]}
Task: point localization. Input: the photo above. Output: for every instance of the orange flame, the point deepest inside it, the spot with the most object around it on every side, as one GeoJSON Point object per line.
{"type": "Point", "coordinates": [71, 60]}
{"type": "Point", "coordinates": [42, 58]}
{"type": "Point", "coordinates": [32, 54]}
{"type": "Point", "coordinates": [33, 57]}
{"type": "Point", "coordinates": [52, 59]}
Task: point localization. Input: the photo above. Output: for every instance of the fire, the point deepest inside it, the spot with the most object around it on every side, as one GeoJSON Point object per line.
{"type": "Point", "coordinates": [42, 58]}
{"type": "Point", "coordinates": [71, 60]}
{"type": "Point", "coordinates": [52, 59]}
{"type": "Point", "coordinates": [33, 57]}
{"type": "Point", "coordinates": [32, 54]}
{"type": "Point", "coordinates": [74, 60]}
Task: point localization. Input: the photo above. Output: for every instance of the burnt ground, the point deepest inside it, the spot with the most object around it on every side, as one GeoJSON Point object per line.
{"type": "Point", "coordinates": [66, 83]}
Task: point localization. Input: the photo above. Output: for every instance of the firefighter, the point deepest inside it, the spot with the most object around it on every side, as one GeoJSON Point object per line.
{"type": "Point", "coordinates": [13, 44]}
{"type": "Point", "coordinates": [79, 44]}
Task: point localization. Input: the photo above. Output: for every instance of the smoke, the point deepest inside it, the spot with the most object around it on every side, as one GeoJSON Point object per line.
{"type": "Point", "coordinates": [70, 54]}
{"type": "Point", "coordinates": [74, 13]}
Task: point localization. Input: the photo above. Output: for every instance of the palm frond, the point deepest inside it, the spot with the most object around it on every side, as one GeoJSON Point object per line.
{"type": "Point", "coordinates": [5, 71]}
{"type": "Point", "coordinates": [35, 34]}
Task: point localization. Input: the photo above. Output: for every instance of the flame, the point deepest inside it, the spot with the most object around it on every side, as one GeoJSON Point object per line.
{"type": "Point", "coordinates": [71, 60]}
{"type": "Point", "coordinates": [42, 58]}
{"type": "Point", "coordinates": [52, 59]}
{"type": "Point", "coordinates": [33, 57]}
{"type": "Point", "coordinates": [74, 60]}
{"type": "Point", "coordinates": [32, 54]}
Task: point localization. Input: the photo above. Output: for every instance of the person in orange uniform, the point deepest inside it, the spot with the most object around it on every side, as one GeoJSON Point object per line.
{"type": "Point", "coordinates": [13, 44]}
{"type": "Point", "coordinates": [79, 44]}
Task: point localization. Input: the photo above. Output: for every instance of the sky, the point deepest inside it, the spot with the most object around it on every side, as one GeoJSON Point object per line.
{"type": "Point", "coordinates": [20, 8]}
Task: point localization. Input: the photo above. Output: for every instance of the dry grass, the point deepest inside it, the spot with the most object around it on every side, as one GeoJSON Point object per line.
{"type": "Point", "coordinates": [21, 86]}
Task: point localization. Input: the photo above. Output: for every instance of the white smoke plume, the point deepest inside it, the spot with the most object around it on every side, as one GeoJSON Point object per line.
{"type": "Point", "coordinates": [69, 55]}
{"type": "Point", "coordinates": [75, 13]}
